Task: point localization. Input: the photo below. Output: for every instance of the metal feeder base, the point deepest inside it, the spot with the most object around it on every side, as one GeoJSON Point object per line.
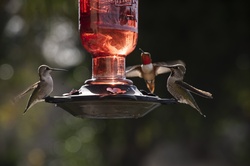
{"type": "Point", "coordinates": [105, 102]}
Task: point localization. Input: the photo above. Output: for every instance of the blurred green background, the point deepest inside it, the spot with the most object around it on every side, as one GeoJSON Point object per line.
{"type": "Point", "coordinates": [212, 37]}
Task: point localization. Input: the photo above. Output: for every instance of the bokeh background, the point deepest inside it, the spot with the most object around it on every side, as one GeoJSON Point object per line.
{"type": "Point", "coordinates": [212, 37]}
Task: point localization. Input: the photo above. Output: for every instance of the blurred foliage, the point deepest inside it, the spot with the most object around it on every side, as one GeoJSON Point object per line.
{"type": "Point", "coordinates": [212, 37]}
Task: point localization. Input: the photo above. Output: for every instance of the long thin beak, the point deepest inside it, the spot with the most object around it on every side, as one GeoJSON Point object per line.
{"type": "Point", "coordinates": [141, 50]}
{"type": "Point", "coordinates": [56, 69]}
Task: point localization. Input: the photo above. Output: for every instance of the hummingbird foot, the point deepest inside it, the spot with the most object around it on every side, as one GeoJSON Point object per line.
{"type": "Point", "coordinates": [72, 92]}
{"type": "Point", "coordinates": [173, 100]}
{"type": "Point", "coordinates": [146, 93]}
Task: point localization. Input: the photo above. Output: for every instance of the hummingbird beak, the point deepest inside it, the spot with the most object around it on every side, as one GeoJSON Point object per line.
{"type": "Point", "coordinates": [56, 69]}
{"type": "Point", "coordinates": [141, 50]}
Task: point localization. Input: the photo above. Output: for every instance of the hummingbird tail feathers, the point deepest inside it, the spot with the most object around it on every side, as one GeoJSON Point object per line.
{"type": "Point", "coordinates": [191, 102]}
{"type": "Point", "coordinates": [151, 85]}
{"type": "Point", "coordinates": [31, 103]}
{"type": "Point", "coordinates": [198, 109]}
{"type": "Point", "coordinates": [195, 106]}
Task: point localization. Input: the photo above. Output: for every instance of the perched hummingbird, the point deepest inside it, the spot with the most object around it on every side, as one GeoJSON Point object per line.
{"type": "Point", "coordinates": [181, 90]}
{"type": "Point", "coordinates": [148, 70]}
{"type": "Point", "coordinates": [42, 88]}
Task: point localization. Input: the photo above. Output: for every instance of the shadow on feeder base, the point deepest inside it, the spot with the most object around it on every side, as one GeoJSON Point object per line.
{"type": "Point", "coordinates": [108, 102]}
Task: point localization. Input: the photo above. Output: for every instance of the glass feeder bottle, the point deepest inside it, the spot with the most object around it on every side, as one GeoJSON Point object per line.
{"type": "Point", "coordinates": [109, 32]}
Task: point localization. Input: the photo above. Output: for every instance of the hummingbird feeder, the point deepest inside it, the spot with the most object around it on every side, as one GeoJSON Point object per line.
{"type": "Point", "coordinates": [109, 31]}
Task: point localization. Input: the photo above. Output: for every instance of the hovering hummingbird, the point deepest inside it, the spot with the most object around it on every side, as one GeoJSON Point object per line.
{"type": "Point", "coordinates": [181, 90]}
{"type": "Point", "coordinates": [42, 88]}
{"type": "Point", "coordinates": [148, 70]}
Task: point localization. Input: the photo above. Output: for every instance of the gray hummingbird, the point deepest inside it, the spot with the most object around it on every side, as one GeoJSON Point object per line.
{"type": "Point", "coordinates": [180, 90]}
{"type": "Point", "coordinates": [42, 88]}
{"type": "Point", "coordinates": [148, 70]}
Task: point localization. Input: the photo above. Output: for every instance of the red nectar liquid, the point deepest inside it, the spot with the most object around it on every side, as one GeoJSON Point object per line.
{"type": "Point", "coordinates": [108, 30]}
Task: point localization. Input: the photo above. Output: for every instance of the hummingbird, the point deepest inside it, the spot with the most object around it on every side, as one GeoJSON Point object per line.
{"type": "Point", "coordinates": [42, 88]}
{"type": "Point", "coordinates": [181, 90]}
{"type": "Point", "coordinates": [148, 70]}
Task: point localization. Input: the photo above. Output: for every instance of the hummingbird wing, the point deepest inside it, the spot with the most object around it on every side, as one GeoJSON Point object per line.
{"type": "Point", "coordinates": [25, 92]}
{"type": "Point", "coordinates": [161, 68]}
{"type": "Point", "coordinates": [134, 71]}
{"type": "Point", "coordinates": [164, 67]}
{"type": "Point", "coordinates": [172, 63]}
{"type": "Point", "coordinates": [194, 90]}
